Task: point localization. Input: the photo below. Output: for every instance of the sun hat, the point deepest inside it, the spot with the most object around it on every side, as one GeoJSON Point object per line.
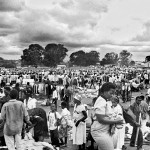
{"type": "Point", "coordinates": [77, 97]}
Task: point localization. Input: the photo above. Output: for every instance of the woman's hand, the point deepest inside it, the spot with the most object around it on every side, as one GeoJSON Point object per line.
{"type": "Point", "coordinates": [77, 123]}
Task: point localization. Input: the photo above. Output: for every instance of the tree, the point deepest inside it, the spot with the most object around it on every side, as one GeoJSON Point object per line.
{"type": "Point", "coordinates": [7, 63]}
{"type": "Point", "coordinates": [125, 58]}
{"type": "Point", "coordinates": [32, 55]}
{"type": "Point", "coordinates": [92, 58]}
{"type": "Point", "coordinates": [78, 58]}
{"type": "Point", "coordinates": [147, 58]}
{"type": "Point", "coordinates": [110, 58]}
{"type": "Point", "coordinates": [54, 54]}
{"type": "Point", "coordinates": [132, 63]}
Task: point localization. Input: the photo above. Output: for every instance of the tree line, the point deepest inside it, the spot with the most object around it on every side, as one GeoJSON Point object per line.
{"type": "Point", "coordinates": [54, 54]}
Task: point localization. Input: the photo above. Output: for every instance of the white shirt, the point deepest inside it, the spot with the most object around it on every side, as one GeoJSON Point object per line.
{"type": "Point", "coordinates": [77, 114]}
{"type": "Point", "coordinates": [55, 95]}
{"type": "Point", "coordinates": [52, 120]}
{"type": "Point", "coordinates": [66, 115]}
{"type": "Point", "coordinates": [102, 107]}
{"type": "Point", "coordinates": [65, 112]}
{"type": "Point", "coordinates": [146, 76]}
{"type": "Point", "coordinates": [31, 103]}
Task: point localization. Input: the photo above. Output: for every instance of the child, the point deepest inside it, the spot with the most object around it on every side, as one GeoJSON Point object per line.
{"type": "Point", "coordinates": [55, 96]}
{"type": "Point", "coordinates": [65, 117]}
{"type": "Point", "coordinates": [119, 135]}
{"type": "Point", "coordinates": [53, 119]}
{"type": "Point", "coordinates": [89, 137]}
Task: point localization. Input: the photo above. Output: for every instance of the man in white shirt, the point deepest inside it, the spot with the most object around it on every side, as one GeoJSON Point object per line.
{"type": "Point", "coordinates": [146, 80]}
{"type": "Point", "coordinates": [53, 117]}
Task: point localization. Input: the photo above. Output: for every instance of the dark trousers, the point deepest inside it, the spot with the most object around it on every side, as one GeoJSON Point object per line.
{"type": "Point", "coordinates": [92, 84]}
{"type": "Point", "coordinates": [2, 141]}
{"type": "Point", "coordinates": [54, 101]}
{"type": "Point", "coordinates": [139, 140]}
{"type": "Point", "coordinates": [66, 99]}
{"type": "Point", "coordinates": [54, 137]}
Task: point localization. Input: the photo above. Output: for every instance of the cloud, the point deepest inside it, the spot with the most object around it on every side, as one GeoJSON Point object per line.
{"type": "Point", "coordinates": [145, 36]}
{"type": "Point", "coordinates": [78, 13]}
{"type": "Point", "coordinates": [71, 25]}
{"type": "Point", "coordinates": [43, 29]}
{"type": "Point", "coordinates": [11, 5]}
{"type": "Point", "coordinates": [12, 52]}
{"type": "Point", "coordinates": [102, 25]}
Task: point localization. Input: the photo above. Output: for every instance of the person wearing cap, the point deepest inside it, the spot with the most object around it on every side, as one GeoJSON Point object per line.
{"type": "Point", "coordinates": [79, 126]}
{"type": "Point", "coordinates": [14, 114]}
{"type": "Point", "coordinates": [136, 108]}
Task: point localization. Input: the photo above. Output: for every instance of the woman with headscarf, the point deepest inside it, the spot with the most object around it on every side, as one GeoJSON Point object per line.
{"type": "Point", "coordinates": [79, 126]}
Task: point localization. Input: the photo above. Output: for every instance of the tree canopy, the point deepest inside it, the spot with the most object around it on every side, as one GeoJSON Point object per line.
{"type": "Point", "coordinates": [147, 58]}
{"type": "Point", "coordinates": [54, 54]}
{"type": "Point", "coordinates": [125, 58]}
{"type": "Point", "coordinates": [110, 58]}
{"type": "Point", "coordinates": [32, 55]}
{"type": "Point", "coordinates": [7, 63]}
{"type": "Point", "coordinates": [35, 55]}
{"type": "Point", "coordinates": [80, 58]}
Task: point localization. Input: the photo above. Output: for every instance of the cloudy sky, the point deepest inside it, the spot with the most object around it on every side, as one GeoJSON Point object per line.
{"type": "Point", "coordinates": [102, 25]}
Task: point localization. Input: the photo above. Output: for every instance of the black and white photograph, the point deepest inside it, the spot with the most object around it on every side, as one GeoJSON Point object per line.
{"type": "Point", "coordinates": [74, 74]}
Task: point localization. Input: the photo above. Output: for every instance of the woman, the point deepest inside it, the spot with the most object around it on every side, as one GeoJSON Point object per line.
{"type": "Point", "coordinates": [101, 127]}
{"type": "Point", "coordinates": [63, 129]}
{"type": "Point", "coordinates": [38, 128]}
{"type": "Point", "coordinates": [79, 127]}
{"type": "Point", "coordinates": [41, 113]}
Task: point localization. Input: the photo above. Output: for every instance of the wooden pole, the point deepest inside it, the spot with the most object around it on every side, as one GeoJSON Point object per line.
{"type": "Point", "coordinates": [138, 128]}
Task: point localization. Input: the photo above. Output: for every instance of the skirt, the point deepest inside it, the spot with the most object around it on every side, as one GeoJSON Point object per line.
{"type": "Point", "coordinates": [103, 140]}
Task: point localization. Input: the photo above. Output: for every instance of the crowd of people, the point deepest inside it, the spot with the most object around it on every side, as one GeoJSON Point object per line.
{"type": "Point", "coordinates": [20, 114]}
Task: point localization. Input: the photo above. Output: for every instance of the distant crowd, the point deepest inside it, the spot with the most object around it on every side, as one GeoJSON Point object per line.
{"type": "Point", "coordinates": [20, 113]}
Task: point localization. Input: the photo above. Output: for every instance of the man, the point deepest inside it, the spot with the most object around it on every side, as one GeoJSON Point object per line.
{"type": "Point", "coordinates": [14, 113]}
{"type": "Point", "coordinates": [136, 108]}
{"type": "Point", "coordinates": [146, 80]}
